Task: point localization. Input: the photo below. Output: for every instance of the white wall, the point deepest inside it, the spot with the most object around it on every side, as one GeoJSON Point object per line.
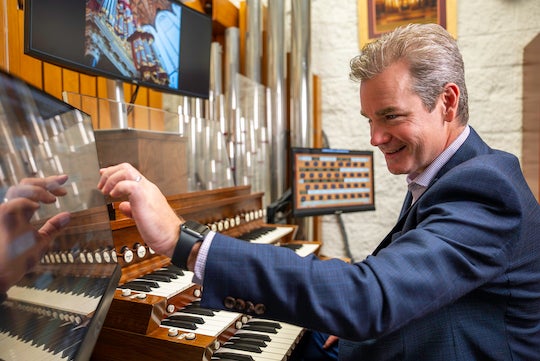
{"type": "Point", "coordinates": [491, 34]}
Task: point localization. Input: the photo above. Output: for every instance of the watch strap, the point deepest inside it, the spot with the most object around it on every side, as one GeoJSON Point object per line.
{"type": "Point", "coordinates": [190, 233]}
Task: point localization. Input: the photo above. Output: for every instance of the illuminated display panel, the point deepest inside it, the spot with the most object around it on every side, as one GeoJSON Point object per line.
{"type": "Point", "coordinates": [331, 181]}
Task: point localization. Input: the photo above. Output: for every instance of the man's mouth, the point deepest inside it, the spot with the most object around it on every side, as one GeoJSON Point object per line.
{"type": "Point", "coordinates": [391, 152]}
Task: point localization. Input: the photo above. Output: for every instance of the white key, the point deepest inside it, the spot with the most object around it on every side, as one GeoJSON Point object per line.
{"type": "Point", "coordinates": [79, 304]}
{"type": "Point", "coordinates": [274, 235]}
{"type": "Point", "coordinates": [13, 349]}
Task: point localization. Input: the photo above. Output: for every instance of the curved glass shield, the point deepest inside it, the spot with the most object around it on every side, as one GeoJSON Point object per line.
{"type": "Point", "coordinates": [55, 311]}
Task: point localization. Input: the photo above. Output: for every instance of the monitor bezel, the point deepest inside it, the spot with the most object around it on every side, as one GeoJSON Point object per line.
{"type": "Point", "coordinates": [202, 92]}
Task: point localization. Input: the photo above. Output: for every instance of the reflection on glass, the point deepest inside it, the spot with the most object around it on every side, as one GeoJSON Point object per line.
{"type": "Point", "coordinates": [66, 295]}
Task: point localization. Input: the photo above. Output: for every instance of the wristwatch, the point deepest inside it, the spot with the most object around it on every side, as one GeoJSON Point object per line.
{"type": "Point", "coordinates": [191, 232]}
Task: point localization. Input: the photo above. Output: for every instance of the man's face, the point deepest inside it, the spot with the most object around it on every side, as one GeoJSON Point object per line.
{"type": "Point", "coordinates": [409, 136]}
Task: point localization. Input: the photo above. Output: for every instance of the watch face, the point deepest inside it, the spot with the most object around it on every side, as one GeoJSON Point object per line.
{"type": "Point", "coordinates": [197, 227]}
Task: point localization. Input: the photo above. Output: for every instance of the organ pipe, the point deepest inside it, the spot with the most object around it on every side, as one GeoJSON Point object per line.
{"type": "Point", "coordinates": [276, 99]}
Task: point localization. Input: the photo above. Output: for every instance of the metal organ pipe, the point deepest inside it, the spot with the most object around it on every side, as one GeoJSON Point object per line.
{"type": "Point", "coordinates": [301, 96]}
{"type": "Point", "coordinates": [253, 40]}
{"type": "Point", "coordinates": [276, 99]}
{"type": "Point", "coordinates": [253, 97]}
{"type": "Point", "coordinates": [301, 99]}
{"type": "Point", "coordinates": [232, 66]}
{"type": "Point", "coordinates": [216, 82]}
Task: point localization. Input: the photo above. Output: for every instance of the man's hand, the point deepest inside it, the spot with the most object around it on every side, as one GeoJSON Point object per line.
{"type": "Point", "coordinates": [156, 221]}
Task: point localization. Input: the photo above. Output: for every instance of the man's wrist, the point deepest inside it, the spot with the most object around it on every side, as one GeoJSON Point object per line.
{"type": "Point", "coordinates": [192, 259]}
{"type": "Point", "coordinates": [190, 233]}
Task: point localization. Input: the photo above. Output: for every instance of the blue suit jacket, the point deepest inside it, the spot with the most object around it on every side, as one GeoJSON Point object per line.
{"type": "Point", "coordinates": [458, 278]}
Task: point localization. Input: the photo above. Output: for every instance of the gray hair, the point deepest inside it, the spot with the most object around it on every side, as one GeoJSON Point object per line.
{"type": "Point", "coordinates": [433, 57]}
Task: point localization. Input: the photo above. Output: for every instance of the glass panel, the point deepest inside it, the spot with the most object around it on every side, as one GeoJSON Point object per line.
{"type": "Point", "coordinates": [65, 296]}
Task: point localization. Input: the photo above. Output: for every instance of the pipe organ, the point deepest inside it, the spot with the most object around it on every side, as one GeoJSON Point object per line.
{"type": "Point", "coordinates": [100, 292]}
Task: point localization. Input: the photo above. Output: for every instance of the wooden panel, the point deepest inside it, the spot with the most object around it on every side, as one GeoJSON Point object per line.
{"type": "Point", "coordinates": [119, 345]}
{"type": "Point", "coordinates": [161, 157]}
{"type": "Point", "coordinates": [224, 15]}
{"type": "Point", "coordinates": [140, 117]}
{"type": "Point", "coordinates": [155, 100]}
{"type": "Point", "coordinates": [195, 4]}
{"type": "Point", "coordinates": [52, 80]}
{"type": "Point", "coordinates": [136, 315]}
{"type": "Point", "coordinates": [88, 91]}
{"type": "Point", "coordinates": [3, 35]}
{"type": "Point", "coordinates": [317, 141]}
{"type": "Point", "coordinates": [70, 81]}
{"type": "Point", "coordinates": [88, 85]}
{"type": "Point", "coordinates": [14, 50]}
{"type": "Point", "coordinates": [31, 68]}
{"type": "Point", "coordinates": [242, 30]}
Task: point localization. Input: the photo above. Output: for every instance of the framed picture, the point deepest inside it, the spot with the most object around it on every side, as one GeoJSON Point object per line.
{"type": "Point", "coordinates": [376, 17]}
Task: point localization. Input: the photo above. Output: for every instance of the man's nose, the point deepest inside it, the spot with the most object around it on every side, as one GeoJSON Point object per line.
{"type": "Point", "coordinates": [379, 135]}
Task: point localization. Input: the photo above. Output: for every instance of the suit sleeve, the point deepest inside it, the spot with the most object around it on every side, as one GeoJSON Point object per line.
{"type": "Point", "coordinates": [456, 238]}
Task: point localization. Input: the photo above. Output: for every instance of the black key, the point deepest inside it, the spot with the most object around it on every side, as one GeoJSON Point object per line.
{"type": "Point", "coordinates": [187, 318]}
{"type": "Point", "coordinates": [142, 282]}
{"type": "Point", "coordinates": [259, 328]}
{"type": "Point", "coordinates": [250, 341]}
{"type": "Point", "coordinates": [157, 277]}
{"type": "Point", "coordinates": [175, 269]}
{"type": "Point", "coordinates": [243, 346]}
{"type": "Point", "coordinates": [265, 323]}
{"type": "Point", "coordinates": [134, 287]}
{"type": "Point", "coordinates": [256, 233]}
{"type": "Point", "coordinates": [166, 273]}
{"type": "Point", "coordinates": [197, 310]}
{"type": "Point", "coordinates": [293, 246]}
{"type": "Point", "coordinates": [254, 336]}
{"type": "Point", "coordinates": [179, 324]}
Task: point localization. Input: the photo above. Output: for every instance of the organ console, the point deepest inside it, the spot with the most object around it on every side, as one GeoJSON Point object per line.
{"type": "Point", "coordinates": [155, 312]}
{"type": "Point", "coordinates": [100, 292]}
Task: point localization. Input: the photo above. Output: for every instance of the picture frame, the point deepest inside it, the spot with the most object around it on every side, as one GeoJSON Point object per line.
{"type": "Point", "coordinates": [376, 17]}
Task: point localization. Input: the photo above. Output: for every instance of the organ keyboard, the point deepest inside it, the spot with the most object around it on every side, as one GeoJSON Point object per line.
{"type": "Point", "coordinates": [155, 312]}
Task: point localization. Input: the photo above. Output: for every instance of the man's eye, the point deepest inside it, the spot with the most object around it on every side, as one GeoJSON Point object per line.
{"type": "Point", "coordinates": [390, 116]}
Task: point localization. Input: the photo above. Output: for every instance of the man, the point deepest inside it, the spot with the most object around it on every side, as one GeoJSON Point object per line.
{"type": "Point", "coordinates": [458, 278]}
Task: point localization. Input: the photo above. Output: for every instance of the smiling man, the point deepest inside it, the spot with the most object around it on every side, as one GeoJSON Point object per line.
{"type": "Point", "coordinates": [457, 278]}
{"type": "Point", "coordinates": [409, 134]}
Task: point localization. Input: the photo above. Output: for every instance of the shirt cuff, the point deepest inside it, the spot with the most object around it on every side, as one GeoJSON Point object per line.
{"type": "Point", "coordinates": [200, 262]}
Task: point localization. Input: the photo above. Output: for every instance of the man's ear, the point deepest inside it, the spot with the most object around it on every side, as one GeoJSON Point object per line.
{"type": "Point", "coordinates": [450, 98]}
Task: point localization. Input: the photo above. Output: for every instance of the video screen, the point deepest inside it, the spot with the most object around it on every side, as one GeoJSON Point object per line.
{"type": "Point", "coordinates": [331, 181]}
{"type": "Point", "coordinates": [161, 44]}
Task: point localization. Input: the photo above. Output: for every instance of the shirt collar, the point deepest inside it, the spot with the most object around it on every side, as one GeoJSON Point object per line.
{"type": "Point", "coordinates": [417, 183]}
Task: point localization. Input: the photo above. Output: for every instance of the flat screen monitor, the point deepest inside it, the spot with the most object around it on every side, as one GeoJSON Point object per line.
{"type": "Point", "coordinates": [161, 44]}
{"type": "Point", "coordinates": [331, 181]}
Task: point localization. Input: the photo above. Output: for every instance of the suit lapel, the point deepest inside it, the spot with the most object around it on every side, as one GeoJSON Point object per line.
{"type": "Point", "coordinates": [399, 225]}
